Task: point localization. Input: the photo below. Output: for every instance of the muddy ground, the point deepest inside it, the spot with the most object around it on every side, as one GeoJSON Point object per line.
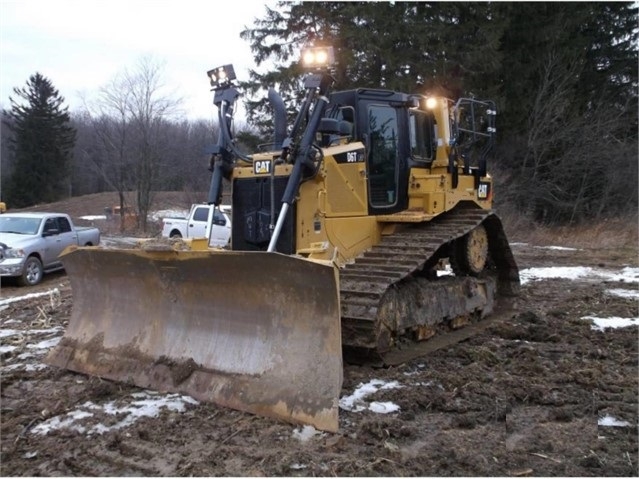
{"type": "Point", "coordinates": [523, 398]}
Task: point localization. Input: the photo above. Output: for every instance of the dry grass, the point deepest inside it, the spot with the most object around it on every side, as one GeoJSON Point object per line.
{"type": "Point", "coordinates": [612, 233]}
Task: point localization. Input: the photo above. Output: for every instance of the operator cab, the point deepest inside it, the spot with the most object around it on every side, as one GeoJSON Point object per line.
{"type": "Point", "coordinates": [397, 135]}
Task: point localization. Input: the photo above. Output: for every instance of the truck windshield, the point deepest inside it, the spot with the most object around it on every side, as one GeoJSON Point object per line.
{"type": "Point", "coordinates": [19, 225]}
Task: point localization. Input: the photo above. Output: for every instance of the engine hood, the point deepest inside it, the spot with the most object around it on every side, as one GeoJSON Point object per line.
{"type": "Point", "coordinates": [13, 240]}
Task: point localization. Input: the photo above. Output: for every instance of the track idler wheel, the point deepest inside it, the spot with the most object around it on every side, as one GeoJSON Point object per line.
{"type": "Point", "coordinates": [470, 253]}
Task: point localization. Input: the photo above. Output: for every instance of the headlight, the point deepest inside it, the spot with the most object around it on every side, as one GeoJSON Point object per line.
{"type": "Point", "coordinates": [13, 253]}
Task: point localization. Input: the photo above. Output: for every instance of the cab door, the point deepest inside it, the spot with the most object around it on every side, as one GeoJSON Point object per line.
{"type": "Point", "coordinates": [220, 230]}
{"type": "Point", "coordinates": [57, 235]}
{"type": "Point", "coordinates": [197, 225]}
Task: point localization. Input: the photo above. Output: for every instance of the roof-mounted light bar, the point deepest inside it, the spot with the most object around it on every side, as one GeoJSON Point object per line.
{"type": "Point", "coordinates": [318, 58]}
{"type": "Point", "coordinates": [221, 76]}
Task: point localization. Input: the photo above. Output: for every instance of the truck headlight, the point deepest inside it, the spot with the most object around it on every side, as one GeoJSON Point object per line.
{"type": "Point", "coordinates": [13, 253]}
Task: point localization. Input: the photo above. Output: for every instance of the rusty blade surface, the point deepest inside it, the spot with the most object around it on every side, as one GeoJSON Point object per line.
{"type": "Point", "coordinates": [253, 331]}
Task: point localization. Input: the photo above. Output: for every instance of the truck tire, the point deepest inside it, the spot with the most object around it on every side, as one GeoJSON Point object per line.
{"type": "Point", "coordinates": [175, 234]}
{"type": "Point", "coordinates": [32, 272]}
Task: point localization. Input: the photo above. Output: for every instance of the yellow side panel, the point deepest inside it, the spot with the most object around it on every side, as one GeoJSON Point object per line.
{"type": "Point", "coordinates": [434, 203]}
{"type": "Point", "coordinates": [432, 191]}
{"type": "Point", "coordinates": [332, 208]}
{"type": "Point", "coordinates": [352, 236]}
{"type": "Point", "coordinates": [345, 189]}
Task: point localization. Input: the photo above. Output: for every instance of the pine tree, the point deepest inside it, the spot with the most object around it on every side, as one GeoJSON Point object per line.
{"type": "Point", "coordinates": [415, 47]}
{"type": "Point", "coordinates": [41, 144]}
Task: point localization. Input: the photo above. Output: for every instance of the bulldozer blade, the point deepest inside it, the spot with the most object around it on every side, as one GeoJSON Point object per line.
{"type": "Point", "coordinates": [253, 331]}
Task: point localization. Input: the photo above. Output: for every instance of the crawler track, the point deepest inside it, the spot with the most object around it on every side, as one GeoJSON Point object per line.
{"type": "Point", "coordinates": [392, 291]}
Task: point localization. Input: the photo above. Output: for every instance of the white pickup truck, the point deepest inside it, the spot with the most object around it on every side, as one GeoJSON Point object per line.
{"type": "Point", "coordinates": [203, 221]}
{"type": "Point", "coordinates": [30, 243]}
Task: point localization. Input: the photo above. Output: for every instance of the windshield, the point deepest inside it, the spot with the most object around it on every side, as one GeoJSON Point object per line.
{"type": "Point", "coordinates": [19, 225]}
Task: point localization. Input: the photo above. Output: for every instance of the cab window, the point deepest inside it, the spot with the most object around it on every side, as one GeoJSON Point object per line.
{"type": "Point", "coordinates": [64, 225]}
{"type": "Point", "coordinates": [383, 154]}
{"type": "Point", "coordinates": [422, 138]}
{"type": "Point", "coordinates": [201, 214]}
{"type": "Point", "coordinates": [50, 224]}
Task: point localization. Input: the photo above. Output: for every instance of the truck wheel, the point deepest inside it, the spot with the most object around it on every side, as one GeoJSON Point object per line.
{"type": "Point", "coordinates": [176, 234]}
{"type": "Point", "coordinates": [32, 272]}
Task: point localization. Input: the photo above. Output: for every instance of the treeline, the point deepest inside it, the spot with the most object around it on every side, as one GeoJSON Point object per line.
{"type": "Point", "coordinates": [563, 75]}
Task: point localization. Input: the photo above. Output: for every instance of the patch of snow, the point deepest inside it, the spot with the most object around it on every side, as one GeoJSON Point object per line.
{"type": "Point", "coordinates": [624, 293]}
{"type": "Point", "coordinates": [627, 274]}
{"type": "Point", "coordinates": [5, 333]}
{"type": "Point", "coordinates": [383, 407]}
{"type": "Point", "coordinates": [429, 384]}
{"type": "Point", "coordinates": [600, 324]}
{"type": "Point", "coordinates": [557, 248]}
{"type": "Point", "coordinates": [26, 367]}
{"type": "Point", "coordinates": [611, 421]}
{"type": "Point", "coordinates": [146, 404]}
{"type": "Point", "coordinates": [25, 356]}
{"type": "Point", "coordinates": [447, 271]}
{"type": "Point", "coordinates": [355, 402]}
{"type": "Point", "coordinates": [7, 349]}
{"type": "Point", "coordinates": [93, 217]}
{"type": "Point", "coordinates": [29, 296]}
{"type": "Point", "coordinates": [564, 272]}
{"type": "Point", "coordinates": [305, 433]}
{"type": "Point", "coordinates": [65, 421]}
{"type": "Point", "coordinates": [47, 344]}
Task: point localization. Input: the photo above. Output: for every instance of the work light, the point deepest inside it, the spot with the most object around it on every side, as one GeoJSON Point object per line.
{"type": "Point", "coordinates": [318, 57]}
{"type": "Point", "coordinates": [221, 76]}
{"type": "Point", "coordinates": [431, 103]}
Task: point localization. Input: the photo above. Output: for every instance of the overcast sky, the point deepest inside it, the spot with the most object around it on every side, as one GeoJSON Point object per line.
{"type": "Point", "coordinates": [80, 45]}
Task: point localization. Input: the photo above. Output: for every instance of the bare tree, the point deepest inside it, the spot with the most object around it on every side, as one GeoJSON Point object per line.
{"type": "Point", "coordinates": [575, 165]}
{"type": "Point", "coordinates": [130, 118]}
{"type": "Point", "coordinates": [149, 108]}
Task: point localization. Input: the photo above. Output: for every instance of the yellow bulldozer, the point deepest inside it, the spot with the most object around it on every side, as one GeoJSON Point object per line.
{"type": "Point", "coordinates": [364, 229]}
